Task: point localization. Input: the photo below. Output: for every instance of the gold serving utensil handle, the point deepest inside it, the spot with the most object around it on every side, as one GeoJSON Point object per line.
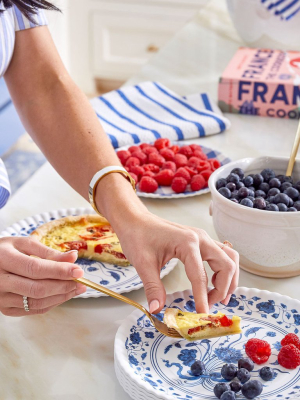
{"type": "Point", "coordinates": [294, 152]}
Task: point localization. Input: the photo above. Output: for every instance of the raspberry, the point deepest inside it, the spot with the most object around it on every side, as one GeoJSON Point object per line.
{"type": "Point", "coordinates": [148, 185]}
{"type": "Point", "coordinates": [151, 167]}
{"type": "Point", "coordinates": [132, 149]}
{"type": "Point", "coordinates": [291, 338]}
{"type": "Point", "coordinates": [142, 146]}
{"type": "Point", "coordinates": [200, 154]}
{"type": "Point", "coordinates": [132, 161]}
{"type": "Point", "coordinates": [149, 173]}
{"type": "Point", "coordinates": [183, 173]}
{"type": "Point", "coordinates": [194, 162]}
{"type": "Point", "coordinates": [214, 164]}
{"type": "Point", "coordinates": [258, 350]}
{"type": "Point", "coordinates": [206, 174]}
{"type": "Point", "coordinates": [161, 143]}
{"type": "Point", "coordinates": [156, 159]}
{"type": "Point", "coordinates": [179, 184]}
{"type": "Point", "coordinates": [150, 149]}
{"type": "Point", "coordinates": [175, 148]}
{"type": "Point", "coordinates": [198, 182]}
{"type": "Point", "coordinates": [186, 150]}
{"type": "Point", "coordinates": [191, 171]}
{"type": "Point", "coordinates": [180, 160]}
{"type": "Point", "coordinates": [140, 155]}
{"type": "Point", "coordinates": [137, 170]}
{"type": "Point", "coordinates": [195, 147]}
{"type": "Point", "coordinates": [134, 177]}
{"type": "Point", "coordinates": [289, 356]}
{"type": "Point", "coordinates": [164, 177]}
{"type": "Point", "coordinates": [123, 156]}
{"type": "Point", "coordinates": [169, 165]}
{"type": "Point", "coordinates": [203, 166]}
{"type": "Point", "coordinates": [168, 154]}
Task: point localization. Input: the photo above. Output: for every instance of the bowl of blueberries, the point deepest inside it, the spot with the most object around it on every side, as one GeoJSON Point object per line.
{"type": "Point", "coordinates": [257, 208]}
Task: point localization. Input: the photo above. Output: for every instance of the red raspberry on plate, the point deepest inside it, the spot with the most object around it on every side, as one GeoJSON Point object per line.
{"type": "Point", "coordinates": [134, 177]}
{"type": "Point", "coordinates": [289, 356]}
{"type": "Point", "coordinates": [175, 148]}
{"type": "Point", "coordinates": [200, 154]}
{"type": "Point", "coordinates": [142, 146]}
{"type": "Point", "coordinates": [137, 170]}
{"type": "Point", "coordinates": [214, 163]}
{"type": "Point", "coordinates": [198, 182]}
{"type": "Point", "coordinates": [194, 162]}
{"type": "Point", "coordinates": [148, 184]}
{"type": "Point", "coordinates": [151, 167]}
{"type": "Point", "coordinates": [203, 166]}
{"type": "Point", "coordinates": [179, 184]}
{"type": "Point", "coordinates": [149, 173]}
{"type": "Point", "coordinates": [169, 165]}
{"type": "Point", "coordinates": [180, 160]}
{"type": "Point", "coordinates": [164, 177]}
{"type": "Point", "coordinates": [161, 143]}
{"type": "Point", "coordinates": [195, 147]}
{"type": "Point", "coordinates": [186, 150]}
{"type": "Point", "coordinates": [140, 155]}
{"type": "Point", "coordinates": [291, 338]}
{"type": "Point", "coordinates": [167, 154]}
{"type": "Point", "coordinates": [150, 149]}
{"type": "Point", "coordinates": [132, 161]}
{"type": "Point", "coordinates": [183, 173]}
{"type": "Point", "coordinates": [132, 149]}
{"type": "Point", "coordinates": [156, 159]}
{"type": "Point", "coordinates": [191, 171]}
{"type": "Point", "coordinates": [258, 350]}
{"type": "Point", "coordinates": [206, 174]}
{"type": "Point", "coordinates": [123, 156]}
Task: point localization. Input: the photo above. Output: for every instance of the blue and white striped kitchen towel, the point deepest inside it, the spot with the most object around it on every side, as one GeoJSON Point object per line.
{"type": "Point", "coordinates": [145, 112]}
{"type": "Point", "coordinates": [4, 185]}
{"type": "Point", "coordinates": [286, 9]}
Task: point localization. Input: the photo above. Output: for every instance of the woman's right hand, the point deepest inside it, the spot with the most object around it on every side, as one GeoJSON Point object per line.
{"type": "Point", "coordinates": [47, 281]}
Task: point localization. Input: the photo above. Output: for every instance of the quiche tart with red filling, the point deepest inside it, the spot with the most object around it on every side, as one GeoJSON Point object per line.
{"type": "Point", "coordinates": [194, 326]}
{"type": "Point", "coordinates": [91, 235]}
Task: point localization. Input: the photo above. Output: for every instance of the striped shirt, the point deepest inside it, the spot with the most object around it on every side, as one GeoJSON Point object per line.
{"type": "Point", "coordinates": [12, 20]}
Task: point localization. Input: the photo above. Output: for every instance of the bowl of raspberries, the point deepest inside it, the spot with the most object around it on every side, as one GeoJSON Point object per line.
{"type": "Point", "coordinates": [165, 169]}
{"type": "Point", "coordinates": [257, 208]}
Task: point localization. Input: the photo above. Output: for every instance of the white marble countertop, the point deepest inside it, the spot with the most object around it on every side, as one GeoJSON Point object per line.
{"type": "Point", "coordinates": [67, 354]}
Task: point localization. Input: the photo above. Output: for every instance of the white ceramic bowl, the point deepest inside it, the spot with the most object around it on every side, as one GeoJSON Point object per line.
{"type": "Point", "coordinates": [268, 241]}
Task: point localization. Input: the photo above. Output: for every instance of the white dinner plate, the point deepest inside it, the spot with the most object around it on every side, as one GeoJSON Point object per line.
{"type": "Point", "coordinates": [152, 366]}
{"type": "Point", "coordinates": [165, 192]}
{"type": "Point", "coordinates": [114, 277]}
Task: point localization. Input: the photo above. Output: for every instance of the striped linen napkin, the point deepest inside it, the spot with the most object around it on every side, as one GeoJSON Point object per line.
{"type": "Point", "coordinates": [4, 185]}
{"type": "Point", "coordinates": [148, 111]}
{"type": "Point", "coordinates": [286, 9]}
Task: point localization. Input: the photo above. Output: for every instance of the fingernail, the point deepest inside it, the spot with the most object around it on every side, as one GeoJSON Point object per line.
{"type": "Point", "coordinates": [72, 251]}
{"type": "Point", "coordinates": [80, 289]}
{"type": "Point", "coordinates": [77, 273]}
{"type": "Point", "coordinates": [154, 305]}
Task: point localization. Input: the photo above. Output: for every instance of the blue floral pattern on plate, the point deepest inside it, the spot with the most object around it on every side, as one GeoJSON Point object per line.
{"type": "Point", "coordinates": [114, 277]}
{"type": "Point", "coordinates": [151, 362]}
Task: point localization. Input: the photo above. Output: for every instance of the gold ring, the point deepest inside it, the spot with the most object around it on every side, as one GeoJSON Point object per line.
{"type": "Point", "coordinates": [226, 243]}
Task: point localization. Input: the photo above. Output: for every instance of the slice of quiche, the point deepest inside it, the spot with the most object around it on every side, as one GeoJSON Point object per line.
{"type": "Point", "coordinates": [193, 326]}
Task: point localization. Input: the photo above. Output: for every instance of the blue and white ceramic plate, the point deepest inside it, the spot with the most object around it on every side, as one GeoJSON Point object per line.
{"type": "Point", "coordinates": [152, 366]}
{"type": "Point", "coordinates": [114, 277]}
{"type": "Point", "coordinates": [165, 192]}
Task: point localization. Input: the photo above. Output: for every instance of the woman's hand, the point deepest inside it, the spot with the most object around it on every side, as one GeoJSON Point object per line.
{"type": "Point", "coordinates": [47, 281]}
{"type": "Point", "coordinates": [149, 242]}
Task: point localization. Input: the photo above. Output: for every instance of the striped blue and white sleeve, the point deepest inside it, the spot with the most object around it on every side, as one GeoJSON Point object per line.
{"type": "Point", "coordinates": [4, 185]}
{"type": "Point", "coordinates": [21, 22]}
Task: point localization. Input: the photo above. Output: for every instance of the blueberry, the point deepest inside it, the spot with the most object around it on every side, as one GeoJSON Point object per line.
{"type": "Point", "coordinates": [251, 193]}
{"type": "Point", "coordinates": [268, 174]}
{"type": "Point", "coordinates": [221, 183]}
{"type": "Point", "coordinates": [233, 178]}
{"type": "Point", "coordinates": [225, 192]}
{"type": "Point", "coordinates": [228, 371]}
{"type": "Point", "coordinates": [234, 200]}
{"type": "Point", "coordinates": [264, 186]}
{"type": "Point", "coordinates": [252, 389]}
{"type": "Point", "coordinates": [198, 368]}
{"type": "Point", "coordinates": [292, 209]}
{"type": "Point", "coordinates": [282, 198]}
{"type": "Point", "coordinates": [235, 195]}
{"type": "Point", "coordinates": [257, 180]}
{"type": "Point", "coordinates": [251, 198]}
{"type": "Point", "coordinates": [280, 177]}
{"type": "Point", "coordinates": [231, 186]}
{"type": "Point", "coordinates": [297, 205]}
{"type": "Point", "coordinates": [266, 373]}
{"type": "Point", "coordinates": [220, 388]}
{"type": "Point", "coordinates": [243, 375]}
{"type": "Point", "coordinates": [248, 181]}
{"type": "Point", "coordinates": [260, 193]}
{"type": "Point", "coordinates": [297, 186]}
{"type": "Point", "coordinates": [251, 188]}
{"type": "Point", "coordinates": [235, 386]}
{"type": "Point", "coordinates": [282, 207]}
{"type": "Point", "coordinates": [228, 396]}
{"type": "Point", "coordinates": [239, 172]}
{"type": "Point", "coordinates": [274, 183]}
{"type": "Point", "coordinates": [270, 199]}
{"type": "Point", "coordinates": [273, 192]}
{"type": "Point", "coordinates": [284, 186]}
{"type": "Point", "coordinates": [259, 203]}
{"type": "Point", "coordinates": [246, 363]}
{"type": "Point", "coordinates": [247, 202]}
{"type": "Point", "coordinates": [239, 185]}
{"type": "Point", "coordinates": [272, 207]}
{"type": "Point", "coordinates": [292, 193]}
{"type": "Point", "coordinates": [288, 179]}
{"type": "Point", "coordinates": [243, 192]}
{"type": "Point", "coordinates": [291, 203]}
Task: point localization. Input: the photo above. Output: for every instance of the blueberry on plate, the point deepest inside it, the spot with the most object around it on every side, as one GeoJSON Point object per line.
{"type": "Point", "coordinates": [231, 186]}
{"type": "Point", "coordinates": [229, 371]}
{"type": "Point", "coordinates": [272, 207]}
{"type": "Point", "coordinates": [284, 186]}
{"type": "Point", "coordinates": [246, 363]}
{"type": "Point", "coordinates": [282, 207]}
{"type": "Point", "coordinates": [268, 174]}
{"type": "Point", "coordinates": [273, 192]}
{"type": "Point", "coordinates": [266, 373]}
{"type": "Point", "coordinates": [261, 193]}
{"type": "Point", "coordinates": [198, 368]}
{"type": "Point", "coordinates": [220, 388]}
{"type": "Point", "coordinates": [235, 386]}
{"type": "Point", "coordinates": [257, 180]}
{"type": "Point", "coordinates": [252, 389]}
{"type": "Point", "coordinates": [239, 172]}
{"type": "Point", "coordinates": [247, 202]}
{"type": "Point", "coordinates": [228, 396]}
{"type": "Point", "coordinates": [297, 205]}
{"type": "Point", "coordinates": [221, 183]}
{"type": "Point", "coordinates": [259, 203]}
{"type": "Point", "coordinates": [292, 193]}
{"type": "Point", "coordinates": [224, 191]}
{"type": "Point", "coordinates": [274, 183]}
{"type": "Point", "coordinates": [292, 209]}
{"type": "Point", "coordinates": [264, 186]}
{"type": "Point", "coordinates": [243, 192]}
{"type": "Point", "coordinates": [233, 178]}
{"type": "Point", "coordinates": [243, 375]}
{"type": "Point", "coordinates": [282, 198]}
{"type": "Point", "coordinates": [248, 181]}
